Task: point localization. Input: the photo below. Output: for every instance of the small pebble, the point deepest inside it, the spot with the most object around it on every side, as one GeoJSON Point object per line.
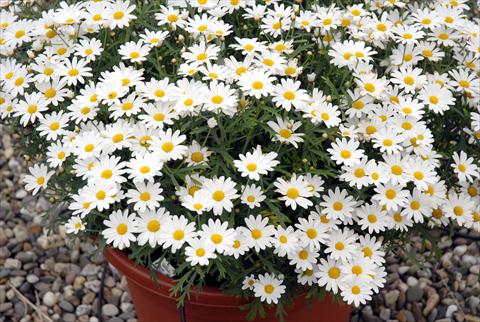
{"type": "Point", "coordinates": [50, 299]}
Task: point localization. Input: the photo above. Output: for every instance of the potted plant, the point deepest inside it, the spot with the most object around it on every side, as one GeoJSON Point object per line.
{"type": "Point", "coordinates": [243, 160]}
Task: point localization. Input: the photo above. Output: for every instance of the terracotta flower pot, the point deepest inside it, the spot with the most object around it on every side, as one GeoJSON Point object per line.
{"type": "Point", "coordinates": [154, 304]}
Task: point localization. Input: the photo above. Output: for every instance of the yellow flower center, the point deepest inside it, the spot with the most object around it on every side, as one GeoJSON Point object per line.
{"type": "Point", "coordinates": [216, 238]}
{"type": "Point", "coordinates": [117, 138]}
{"type": "Point", "coordinates": [357, 270]}
{"type": "Point", "coordinates": [118, 15]}
{"type": "Point", "coordinates": [369, 87]}
{"type": "Point", "coordinates": [19, 81]}
{"type": "Point", "coordinates": [381, 27]}
{"type": "Point", "coordinates": [89, 147]}
{"type": "Point", "coordinates": [20, 34]}
{"type": "Point", "coordinates": [197, 157]}
{"type": "Point", "coordinates": [107, 174]}
{"type": "Point", "coordinates": [359, 173]}
{"type": "Point", "coordinates": [418, 175]}
{"type": "Point", "coordinates": [122, 229]}
{"type": "Point", "coordinates": [145, 196]}
{"type": "Point", "coordinates": [127, 106]}
{"type": "Point", "coordinates": [358, 105]}
{"type": "Point", "coordinates": [100, 195]}
{"type": "Point", "coordinates": [153, 226]}
{"type": "Point", "coordinates": [345, 154]}
{"type": "Point", "coordinates": [218, 195]}
{"type": "Point", "coordinates": [269, 288]}
{"type": "Point", "coordinates": [268, 62]}
{"type": "Point", "coordinates": [337, 206]}
{"type": "Point", "coordinates": [167, 147]}
{"type": "Point", "coordinates": [159, 117]}
{"type": "Point", "coordinates": [159, 93]}
{"type": "Point", "coordinates": [172, 18]}
{"type": "Point", "coordinates": [303, 254]}
{"type": "Point", "coordinates": [458, 211]}
{"type": "Point", "coordinates": [54, 126]}
{"type": "Point", "coordinates": [312, 233]}
{"type": "Point", "coordinates": [257, 85]}
{"type": "Point", "coordinates": [134, 54]}
{"type": "Point", "coordinates": [415, 205]}
{"type": "Point", "coordinates": [409, 80]}
{"type": "Point", "coordinates": [73, 72]}
{"type": "Point", "coordinates": [256, 233]}
{"type": "Point", "coordinates": [390, 194]}
{"type": "Point", "coordinates": [396, 170]}
{"type": "Point", "coordinates": [202, 56]}
{"type": "Point", "coordinates": [178, 234]}
{"type": "Point", "coordinates": [334, 273]}
{"type": "Point", "coordinates": [217, 99]}
{"type": "Point", "coordinates": [367, 252]}
{"type": "Point", "coordinates": [427, 53]}
{"type": "Point", "coordinates": [285, 133]}
{"type": "Point", "coordinates": [293, 193]}
{"type": "Point", "coordinates": [356, 290]}
{"type": "Point", "coordinates": [289, 95]}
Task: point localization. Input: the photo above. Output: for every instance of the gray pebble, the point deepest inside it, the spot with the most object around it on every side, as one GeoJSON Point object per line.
{"type": "Point", "coordinates": [32, 279]}
{"type": "Point", "coordinates": [4, 252]}
{"type": "Point", "coordinates": [475, 269]}
{"type": "Point", "coordinates": [115, 319]}
{"type": "Point", "coordinates": [412, 281]}
{"type": "Point", "coordinates": [391, 298]}
{"type": "Point", "coordinates": [403, 269]}
{"type": "Point", "coordinates": [69, 317]}
{"type": "Point", "coordinates": [12, 263]}
{"type": "Point", "coordinates": [385, 314]}
{"type": "Point", "coordinates": [469, 260]}
{"type": "Point", "coordinates": [414, 293]}
{"type": "Point", "coordinates": [83, 309]}
{"type": "Point", "coordinates": [66, 306]}
{"type": "Point", "coordinates": [4, 307]}
{"type": "Point", "coordinates": [110, 310]}
{"type": "Point", "coordinates": [473, 303]}
{"type": "Point", "coordinates": [21, 233]}
{"type": "Point", "coordinates": [433, 315]}
{"type": "Point", "coordinates": [25, 257]}
{"type": "Point", "coordinates": [450, 310]}
{"type": "Point", "coordinates": [20, 194]}
{"type": "Point", "coordinates": [50, 299]}
{"type": "Point", "coordinates": [126, 307]}
{"type": "Point", "coordinates": [460, 250]}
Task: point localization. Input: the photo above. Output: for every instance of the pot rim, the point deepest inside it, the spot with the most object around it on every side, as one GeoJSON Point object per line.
{"type": "Point", "coordinates": [140, 275]}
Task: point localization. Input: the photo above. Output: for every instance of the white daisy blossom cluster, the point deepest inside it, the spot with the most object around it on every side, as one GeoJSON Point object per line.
{"type": "Point", "coordinates": [224, 131]}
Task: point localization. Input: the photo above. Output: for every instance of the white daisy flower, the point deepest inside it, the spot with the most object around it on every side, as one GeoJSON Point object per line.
{"type": "Point", "coordinates": [120, 229]}
{"type": "Point", "coordinates": [38, 178]}
{"type": "Point", "coordinates": [268, 288]}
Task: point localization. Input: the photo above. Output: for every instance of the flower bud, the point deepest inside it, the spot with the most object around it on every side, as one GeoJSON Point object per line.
{"type": "Point", "coordinates": [212, 122]}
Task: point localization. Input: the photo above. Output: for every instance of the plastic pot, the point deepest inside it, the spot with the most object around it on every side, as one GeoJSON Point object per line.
{"type": "Point", "coordinates": [153, 302]}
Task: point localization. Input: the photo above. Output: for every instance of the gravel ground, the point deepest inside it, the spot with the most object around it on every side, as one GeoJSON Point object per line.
{"type": "Point", "coordinates": [43, 278]}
